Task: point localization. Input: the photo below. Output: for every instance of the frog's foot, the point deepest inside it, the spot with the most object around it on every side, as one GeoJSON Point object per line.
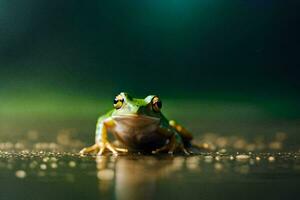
{"type": "Point", "coordinates": [173, 145]}
{"type": "Point", "coordinates": [100, 149]}
{"type": "Point", "coordinates": [107, 146]}
{"type": "Point", "coordinates": [171, 150]}
{"type": "Point", "coordinates": [90, 149]}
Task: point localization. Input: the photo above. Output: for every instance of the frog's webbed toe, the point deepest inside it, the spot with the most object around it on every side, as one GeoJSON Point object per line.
{"type": "Point", "coordinates": [107, 146]}
{"type": "Point", "coordinates": [174, 144]}
{"type": "Point", "coordinates": [185, 150]}
{"type": "Point", "coordinates": [90, 149]}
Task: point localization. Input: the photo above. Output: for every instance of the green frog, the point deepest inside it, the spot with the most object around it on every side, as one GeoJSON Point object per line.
{"type": "Point", "coordinates": [139, 125]}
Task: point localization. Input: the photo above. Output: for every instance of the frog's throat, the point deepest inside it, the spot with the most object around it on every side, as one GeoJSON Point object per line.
{"type": "Point", "coordinates": [135, 117]}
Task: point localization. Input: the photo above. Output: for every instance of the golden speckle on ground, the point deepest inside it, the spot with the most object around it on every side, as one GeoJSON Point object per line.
{"type": "Point", "coordinates": [208, 159]}
{"type": "Point", "coordinates": [271, 158]}
{"type": "Point", "coordinates": [72, 164]}
{"type": "Point", "coordinates": [218, 167]}
{"type": "Point", "coordinates": [53, 159]}
{"type": "Point", "coordinates": [20, 174]}
{"type": "Point", "coordinates": [43, 166]}
{"type": "Point", "coordinates": [218, 158]}
{"type": "Point", "coordinates": [53, 165]}
{"type": "Point", "coordinates": [223, 151]}
{"type": "Point", "coordinates": [242, 157]}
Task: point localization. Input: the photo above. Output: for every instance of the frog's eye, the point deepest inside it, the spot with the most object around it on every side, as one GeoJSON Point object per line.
{"type": "Point", "coordinates": [118, 102]}
{"type": "Point", "coordinates": [156, 104]}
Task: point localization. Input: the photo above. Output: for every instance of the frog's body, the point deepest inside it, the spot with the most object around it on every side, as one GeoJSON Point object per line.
{"type": "Point", "coordinates": [138, 124]}
{"type": "Point", "coordinates": [138, 132]}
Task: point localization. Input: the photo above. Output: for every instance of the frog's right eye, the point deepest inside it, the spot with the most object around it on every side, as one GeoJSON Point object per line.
{"type": "Point", "coordinates": [118, 102]}
{"type": "Point", "coordinates": [156, 104]}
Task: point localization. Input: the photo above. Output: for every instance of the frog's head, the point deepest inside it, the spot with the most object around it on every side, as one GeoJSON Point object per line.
{"type": "Point", "coordinates": [127, 106]}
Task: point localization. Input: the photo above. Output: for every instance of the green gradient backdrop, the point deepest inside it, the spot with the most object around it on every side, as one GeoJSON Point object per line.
{"type": "Point", "coordinates": [55, 53]}
{"type": "Point", "coordinates": [165, 46]}
{"type": "Point", "coordinates": [228, 67]}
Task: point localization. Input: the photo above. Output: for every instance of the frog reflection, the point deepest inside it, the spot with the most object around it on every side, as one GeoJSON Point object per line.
{"type": "Point", "coordinates": [135, 178]}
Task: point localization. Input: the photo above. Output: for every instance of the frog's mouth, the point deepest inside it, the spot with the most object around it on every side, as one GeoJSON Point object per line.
{"type": "Point", "coordinates": [135, 117]}
{"type": "Point", "coordinates": [136, 120]}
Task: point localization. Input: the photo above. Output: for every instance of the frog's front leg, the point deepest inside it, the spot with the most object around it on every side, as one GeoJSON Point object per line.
{"type": "Point", "coordinates": [101, 141]}
{"type": "Point", "coordinates": [175, 142]}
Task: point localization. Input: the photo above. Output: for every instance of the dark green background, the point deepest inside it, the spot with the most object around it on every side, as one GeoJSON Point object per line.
{"type": "Point", "coordinates": [218, 65]}
{"type": "Point", "coordinates": [146, 46]}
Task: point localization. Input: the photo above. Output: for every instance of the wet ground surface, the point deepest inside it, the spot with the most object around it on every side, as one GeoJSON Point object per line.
{"type": "Point", "coordinates": [247, 152]}
{"type": "Point", "coordinates": [224, 174]}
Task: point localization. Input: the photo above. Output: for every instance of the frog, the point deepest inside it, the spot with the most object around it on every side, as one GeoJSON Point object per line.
{"type": "Point", "coordinates": [138, 124]}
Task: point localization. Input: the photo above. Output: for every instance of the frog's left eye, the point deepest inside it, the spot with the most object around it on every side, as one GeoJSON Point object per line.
{"type": "Point", "coordinates": [156, 104]}
{"type": "Point", "coordinates": [118, 102]}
